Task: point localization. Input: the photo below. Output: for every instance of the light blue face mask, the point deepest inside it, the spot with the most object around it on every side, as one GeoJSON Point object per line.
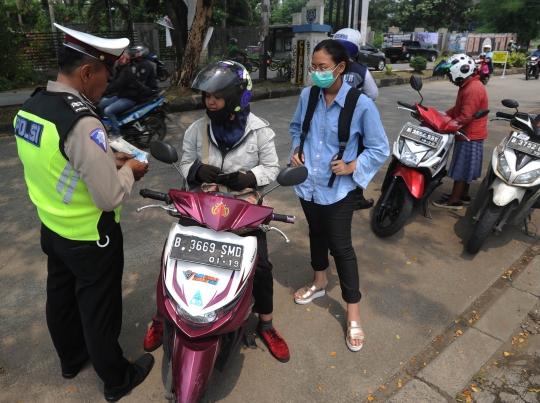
{"type": "Point", "coordinates": [324, 79]}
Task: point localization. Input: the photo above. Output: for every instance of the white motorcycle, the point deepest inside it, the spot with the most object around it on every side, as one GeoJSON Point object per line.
{"type": "Point", "coordinates": [509, 192]}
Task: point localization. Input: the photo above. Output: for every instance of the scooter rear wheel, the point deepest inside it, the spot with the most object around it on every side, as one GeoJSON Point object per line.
{"type": "Point", "coordinates": [155, 130]}
{"type": "Point", "coordinates": [484, 227]}
{"type": "Point", "coordinates": [163, 74]}
{"type": "Point", "coordinates": [388, 220]}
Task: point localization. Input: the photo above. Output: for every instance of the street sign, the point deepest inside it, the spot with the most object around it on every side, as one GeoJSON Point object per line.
{"type": "Point", "coordinates": [500, 57]}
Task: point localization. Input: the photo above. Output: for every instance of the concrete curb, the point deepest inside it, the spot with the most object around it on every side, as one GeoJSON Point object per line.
{"type": "Point", "coordinates": [449, 373]}
{"type": "Point", "coordinates": [195, 102]}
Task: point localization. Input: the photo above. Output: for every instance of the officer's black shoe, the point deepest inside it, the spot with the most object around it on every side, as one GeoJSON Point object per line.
{"type": "Point", "coordinates": [72, 373]}
{"type": "Point", "coordinates": [139, 371]}
{"type": "Point", "coordinates": [361, 202]}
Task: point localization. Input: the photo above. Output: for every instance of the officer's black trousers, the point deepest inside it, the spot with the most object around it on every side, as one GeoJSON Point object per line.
{"type": "Point", "coordinates": [84, 302]}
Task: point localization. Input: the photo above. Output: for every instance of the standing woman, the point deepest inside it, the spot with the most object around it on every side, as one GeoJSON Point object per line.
{"type": "Point", "coordinates": [329, 210]}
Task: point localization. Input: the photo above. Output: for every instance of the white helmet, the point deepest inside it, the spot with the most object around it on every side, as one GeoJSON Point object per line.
{"type": "Point", "coordinates": [487, 46]}
{"type": "Point", "coordinates": [459, 67]}
{"type": "Point", "coordinates": [351, 38]}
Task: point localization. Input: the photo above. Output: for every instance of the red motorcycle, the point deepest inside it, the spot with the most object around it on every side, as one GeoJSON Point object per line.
{"type": "Point", "coordinates": [206, 280]}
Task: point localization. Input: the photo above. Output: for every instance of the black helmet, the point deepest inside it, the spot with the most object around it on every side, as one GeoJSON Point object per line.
{"type": "Point", "coordinates": [233, 41]}
{"type": "Point", "coordinates": [142, 50]}
{"type": "Point", "coordinates": [228, 80]}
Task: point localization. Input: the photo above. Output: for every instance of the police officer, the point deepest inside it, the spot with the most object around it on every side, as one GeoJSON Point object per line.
{"type": "Point", "coordinates": [78, 185]}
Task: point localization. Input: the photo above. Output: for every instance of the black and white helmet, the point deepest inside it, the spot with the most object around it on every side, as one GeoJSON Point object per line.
{"type": "Point", "coordinates": [458, 67]}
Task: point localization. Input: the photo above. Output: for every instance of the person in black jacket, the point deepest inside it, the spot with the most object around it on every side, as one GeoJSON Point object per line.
{"type": "Point", "coordinates": [147, 69]}
{"type": "Point", "coordinates": [123, 92]}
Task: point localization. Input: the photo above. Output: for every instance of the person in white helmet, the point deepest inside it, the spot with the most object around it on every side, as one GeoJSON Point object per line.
{"type": "Point", "coordinates": [357, 77]}
{"type": "Point", "coordinates": [489, 56]}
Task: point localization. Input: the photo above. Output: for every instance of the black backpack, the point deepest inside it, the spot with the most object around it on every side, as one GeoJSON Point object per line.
{"type": "Point", "coordinates": [344, 123]}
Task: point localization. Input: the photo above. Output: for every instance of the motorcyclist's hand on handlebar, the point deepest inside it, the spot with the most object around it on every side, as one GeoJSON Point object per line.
{"type": "Point", "coordinates": [242, 181]}
{"type": "Point", "coordinates": [122, 158]}
{"type": "Point", "coordinates": [139, 168]}
{"type": "Point", "coordinates": [207, 173]}
{"type": "Point", "coordinates": [295, 160]}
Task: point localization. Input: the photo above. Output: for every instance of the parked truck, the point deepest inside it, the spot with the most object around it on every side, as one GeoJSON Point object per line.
{"type": "Point", "coordinates": [409, 50]}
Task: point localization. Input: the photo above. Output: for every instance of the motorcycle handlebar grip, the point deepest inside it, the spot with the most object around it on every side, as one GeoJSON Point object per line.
{"type": "Point", "coordinates": [406, 105]}
{"type": "Point", "coordinates": [147, 193]}
{"type": "Point", "coordinates": [504, 115]}
{"type": "Point", "coordinates": [284, 218]}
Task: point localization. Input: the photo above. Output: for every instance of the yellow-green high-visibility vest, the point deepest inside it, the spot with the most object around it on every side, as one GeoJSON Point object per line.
{"type": "Point", "coordinates": [62, 199]}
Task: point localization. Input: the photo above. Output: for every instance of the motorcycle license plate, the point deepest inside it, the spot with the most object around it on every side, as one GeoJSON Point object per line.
{"type": "Point", "coordinates": [527, 147]}
{"type": "Point", "coordinates": [420, 135]}
{"type": "Point", "coordinates": [193, 249]}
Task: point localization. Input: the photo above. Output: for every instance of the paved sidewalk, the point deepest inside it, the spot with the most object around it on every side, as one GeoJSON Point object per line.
{"type": "Point", "coordinates": [496, 359]}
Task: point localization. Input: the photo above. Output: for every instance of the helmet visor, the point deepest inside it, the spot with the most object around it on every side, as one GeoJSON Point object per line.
{"type": "Point", "coordinates": [442, 69]}
{"type": "Point", "coordinates": [218, 79]}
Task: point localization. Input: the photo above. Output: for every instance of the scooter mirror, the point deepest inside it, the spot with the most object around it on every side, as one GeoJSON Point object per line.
{"type": "Point", "coordinates": [163, 152]}
{"type": "Point", "coordinates": [481, 113]}
{"type": "Point", "coordinates": [291, 176]}
{"type": "Point", "coordinates": [416, 83]}
{"type": "Point", "coordinates": [510, 103]}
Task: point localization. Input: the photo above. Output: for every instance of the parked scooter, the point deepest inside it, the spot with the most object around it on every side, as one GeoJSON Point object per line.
{"type": "Point", "coordinates": [510, 190]}
{"type": "Point", "coordinates": [206, 280]}
{"type": "Point", "coordinates": [145, 122]}
{"type": "Point", "coordinates": [161, 71]}
{"type": "Point", "coordinates": [418, 164]}
{"type": "Point", "coordinates": [482, 67]}
{"type": "Point", "coordinates": [532, 69]}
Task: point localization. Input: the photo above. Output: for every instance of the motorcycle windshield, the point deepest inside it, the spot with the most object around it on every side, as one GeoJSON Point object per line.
{"type": "Point", "coordinates": [220, 213]}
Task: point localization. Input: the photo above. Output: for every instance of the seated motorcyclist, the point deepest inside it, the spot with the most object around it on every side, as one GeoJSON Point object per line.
{"type": "Point", "coordinates": [242, 144]}
{"type": "Point", "coordinates": [537, 54]}
{"type": "Point", "coordinates": [147, 69]}
{"type": "Point", "coordinates": [489, 57]}
{"type": "Point", "coordinates": [236, 54]}
{"type": "Point", "coordinates": [123, 92]}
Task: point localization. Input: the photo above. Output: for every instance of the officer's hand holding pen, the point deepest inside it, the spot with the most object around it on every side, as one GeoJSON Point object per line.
{"type": "Point", "coordinates": [138, 168]}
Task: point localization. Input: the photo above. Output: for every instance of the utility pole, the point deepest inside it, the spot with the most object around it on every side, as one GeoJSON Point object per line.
{"type": "Point", "coordinates": [263, 48]}
{"type": "Point", "coordinates": [363, 23]}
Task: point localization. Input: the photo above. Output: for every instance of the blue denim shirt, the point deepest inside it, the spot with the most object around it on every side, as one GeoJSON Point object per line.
{"type": "Point", "coordinates": [322, 144]}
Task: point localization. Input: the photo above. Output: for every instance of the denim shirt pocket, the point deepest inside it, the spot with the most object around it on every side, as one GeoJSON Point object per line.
{"type": "Point", "coordinates": [334, 137]}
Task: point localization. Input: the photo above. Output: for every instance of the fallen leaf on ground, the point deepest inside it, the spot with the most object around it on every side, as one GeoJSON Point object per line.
{"type": "Point", "coordinates": [333, 353]}
{"type": "Point", "coordinates": [399, 384]}
{"type": "Point", "coordinates": [319, 387]}
{"type": "Point", "coordinates": [371, 315]}
{"type": "Point", "coordinates": [466, 392]}
{"type": "Point", "coordinates": [383, 387]}
{"type": "Point", "coordinates": [36, 343]}
{"type": "Point", "coordinates": [457, 320]}
{"type": "Point", "coordinates": [70, 389]}
{"type": "Point", "coordinates": [474, 389]}
{"type": "Point", "coordinates": [405, 313]}
{"type": "Point", "coordinates": [370, 398]}
{"type": "Point", "coordinates": [397, 337]}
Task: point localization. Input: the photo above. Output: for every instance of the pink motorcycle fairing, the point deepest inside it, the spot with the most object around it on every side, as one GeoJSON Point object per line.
{"type": "Point", "coordinates": [219, 213]}
{"type": "Point", "coordinates": [413, 179]}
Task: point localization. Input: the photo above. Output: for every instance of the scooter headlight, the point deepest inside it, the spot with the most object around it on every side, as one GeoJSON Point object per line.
{"type": "Point", "coordinates": [408, 158]}
{"type": "Point", "coordinates": [503, 167]}
{"type": "Point", "coordinates": [528, 177]}
{"type": "Point", "coordinates": [199, 319]}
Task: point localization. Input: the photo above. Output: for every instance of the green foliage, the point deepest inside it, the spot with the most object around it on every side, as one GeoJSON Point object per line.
{"type": "Point", "coordinates": [237, 13]}
{"type": "Point", "coordinates": [378, 40]}
{"type": "Point", "coordinates": [284, 67]}
{"type": "Point", "coordinates": [516, 59]}
{"type": "Point", "coordinates": [282, 12]}
{"type": "Point", "coordinates": [388, 70]}
{"type": "Point", "coordinates": [419, 64]}
{"type": "Point", "coordinates": [431, 15]}
{"type": "Point", "coordinates": [516, 16]}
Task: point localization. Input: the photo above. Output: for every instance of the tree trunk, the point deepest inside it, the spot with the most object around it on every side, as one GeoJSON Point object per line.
{"type": "Point", "coordinates": [201, 22]}
{"type": "Point", "coordinates": [177, 11]}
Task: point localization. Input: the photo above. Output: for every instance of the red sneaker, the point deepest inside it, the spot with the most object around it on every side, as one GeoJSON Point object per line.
{"type": "Point", "coordinates": [275, 343]}
{"type": "Point", "coordinates": [154, 337]}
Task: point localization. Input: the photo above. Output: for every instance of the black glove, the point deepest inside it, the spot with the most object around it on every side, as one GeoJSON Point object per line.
{"type": "Point", "coordinates": [207, 173]}
{"type": "Point", "coordinates": [241, 181]}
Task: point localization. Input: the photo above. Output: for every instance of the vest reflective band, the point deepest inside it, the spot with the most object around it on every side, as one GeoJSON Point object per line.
{"type": "Point", "coordinates": [62, 199]}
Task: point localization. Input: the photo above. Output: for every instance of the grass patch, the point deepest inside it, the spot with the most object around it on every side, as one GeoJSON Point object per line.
{"type": "Point", "coordinates": [404, 74]}
{"type": "Point", "coordinates": [176, 93]}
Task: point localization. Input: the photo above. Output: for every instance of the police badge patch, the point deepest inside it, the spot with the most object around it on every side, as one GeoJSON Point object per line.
{"type": "Point", "coordinates": [98, 136]}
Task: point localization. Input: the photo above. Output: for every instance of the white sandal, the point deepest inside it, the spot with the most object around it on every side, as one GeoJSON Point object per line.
{"type": "Point", "coordinates": [355, 333]}
{"type": "Point", "coordinates": [309, 293]}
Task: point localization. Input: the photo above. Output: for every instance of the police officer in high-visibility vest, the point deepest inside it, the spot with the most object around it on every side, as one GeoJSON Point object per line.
{"type": "Point", "coordinates": [78, 185]}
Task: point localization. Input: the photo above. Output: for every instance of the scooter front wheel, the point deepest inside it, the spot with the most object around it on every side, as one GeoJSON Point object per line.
{"type": "Point", "coordinates": [484, 227]}
{"type": "Point", "coordinates": [527, 73]}
{"type": "Point", "coordinates": [388, 220]}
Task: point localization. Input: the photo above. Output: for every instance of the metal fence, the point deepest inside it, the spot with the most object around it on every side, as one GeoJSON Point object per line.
{"type": "Point", "coordinates": [218, 45]}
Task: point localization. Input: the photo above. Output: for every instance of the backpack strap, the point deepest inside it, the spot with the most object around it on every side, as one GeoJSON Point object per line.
{"type": "Point", "coordinates": [312, 103]}
{"type": "Point", "coordinates": [344, 125]}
